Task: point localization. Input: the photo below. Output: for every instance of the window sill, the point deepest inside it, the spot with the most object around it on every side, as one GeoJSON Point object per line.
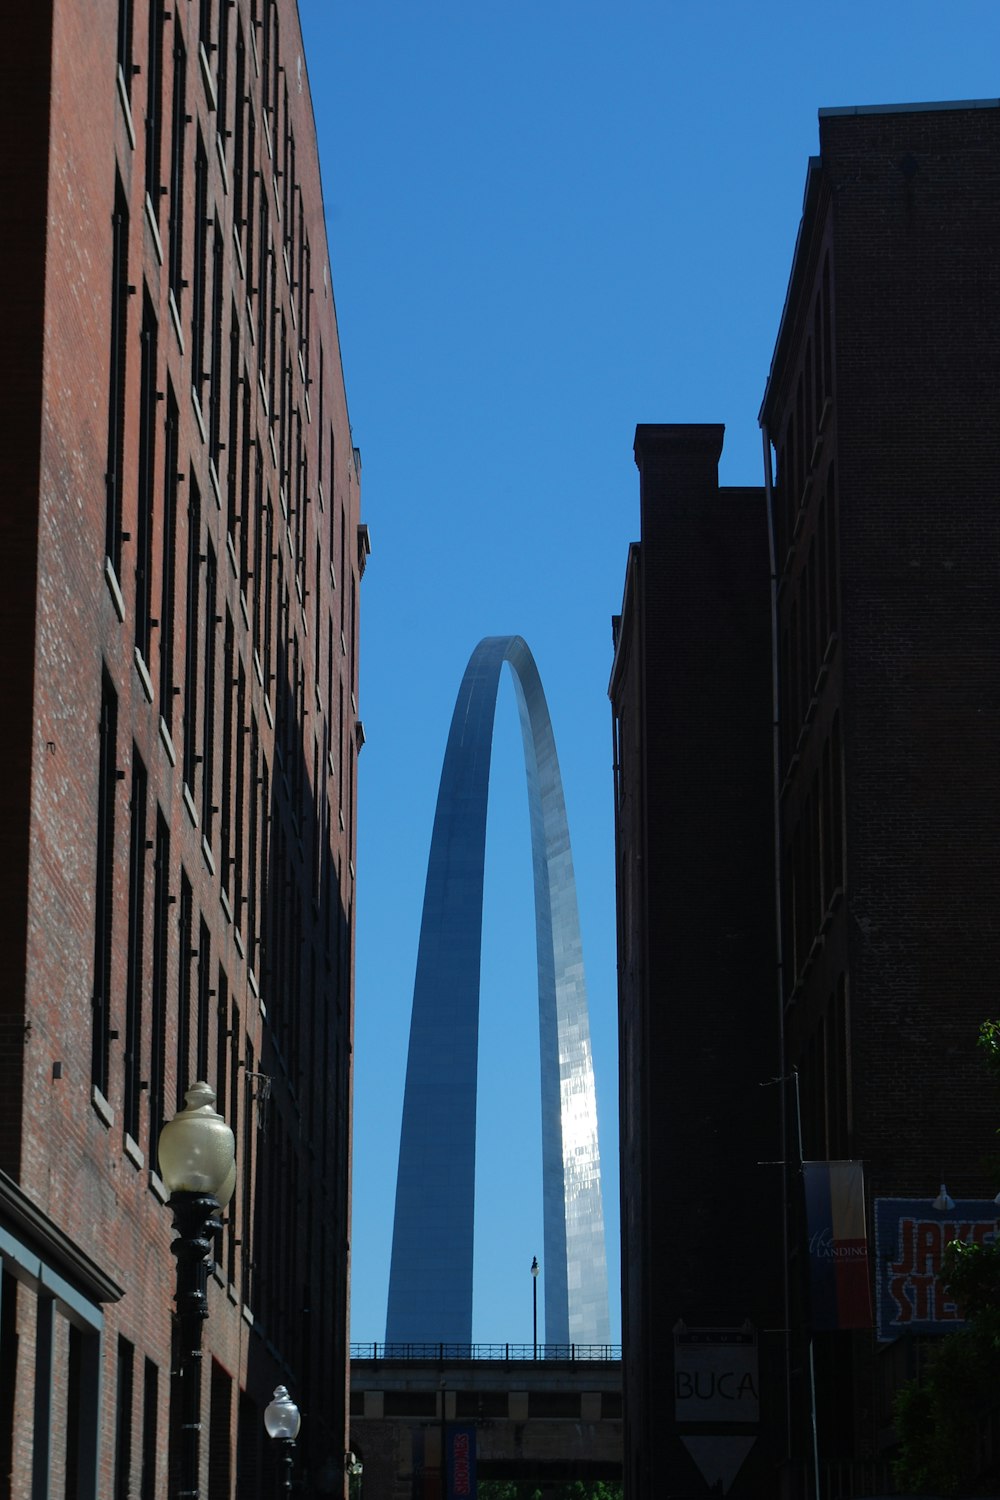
{"type": "Point", "coordinates": [175, 318]}
{"type": "Point", "coordinates": [101, 1106]}
{"type": "Point", "coordinates": [167, 742]}
{"type": "Point", "coordinates": [154, 229]}
{"type": "Point", "coordinates": [143, 671]}
{"type": "Point", "coordinates": [114, 588]}
{"type": "Point", "coordinates": [123, 100]}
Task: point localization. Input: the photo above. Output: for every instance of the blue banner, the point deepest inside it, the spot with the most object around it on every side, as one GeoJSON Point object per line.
{"type": "Point", "coordinates": [910, 1239]}
{"type": "Point", "coordinates": [461, 1449]}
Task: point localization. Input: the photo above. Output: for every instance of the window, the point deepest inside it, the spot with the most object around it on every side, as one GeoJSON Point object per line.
{"type": "Point", "coordinates": [189, 756]}
{"type": "Point", "coordinates": [116, 382]}
{"type": "Point", "coordinates": [215, 373]}
{"type": "Point", "coordinates": [208, 807]}
{"type": "Point", "coordinates": [168, 564]}
{"type": "Point", "coordinates": [162, 901]}
{"type": "Point", "coordinates": [135, 978]}
{"type": "Point", "coordinates": [233, 438]}
{"type": "Point", "coordinates": [178, 121]}
{"type": "Point", "coordinates": [239, 131]}
{"type": "Point", "coordinates": [154, 106]}
{"type": "Point", "coordinates": [241, 730]}
{"type": "Point", "coordinates": [183, 1034]}
{"type": "Point", "coordinates": [150, 1438]}
{"type": "Point", "coordinates": [123, 1420]}
{"type": "Point", "coordinates": [228, 683]}
{"type": "Point", "coordinates": [107, 776]}
{"type": "Point", "coordinates": [205, 994]}
{"type": "Point", "coordinates": [147, 447]}
{"type": "Point", "coordinates": [124, 50]}
{"type": "Point", "coordinates": [199, 267]}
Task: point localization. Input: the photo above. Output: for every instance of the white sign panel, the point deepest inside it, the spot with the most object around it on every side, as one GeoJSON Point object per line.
{"type": "Point", "coordinates": [715, 1375]}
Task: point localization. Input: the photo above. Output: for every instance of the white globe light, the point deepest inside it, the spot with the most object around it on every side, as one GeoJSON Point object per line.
{"type": "Point", "coordinates": [197, 1150]}
{"type": "Point", "coordinates": [281, 1416]}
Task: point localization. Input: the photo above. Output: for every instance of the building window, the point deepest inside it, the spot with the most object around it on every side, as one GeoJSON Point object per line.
{"type": "Point", "coordinates": [239, 131]}
{"type": "Point", "coordinates": [107, 776]}
{"type": "Point", "coordinates": [215, 372]}
{"type": "Point", "coordinates": [199, 267]}
{"type": "Point", "coordinates": [168, 562]}
{"type": "Point", "coordinates": [162, 901]}
{"type": "Point", "coordinates": [185, 925]}
{"type": "Point", "coordinates": [154, 105]}
{"type": "Point", "coordinates": [241, 730]}
{"type": "Point", "coordinates": [205, 993]}
{"type": "Point", "coordinates": [228, 683]}
{"type": "Point", "coordinates": [189, 755]}
{"type": "Point", "coordinates": [235, 381]}
{"type": "Point", "coordinates": [150, 1436]}
{"type": "Point", "coordinates": [135, 978]}
{"type": "Point", "coordinates": [208, 807]}
{"type": "Point", "coordinates": [116, 382]}
{"type": "Point", "coordinates": [124, 52]}
{"type": "Point", "coordinates": [147, 447]}
{"type": "Point", "coordinates": [178, 122]}
{"type": "Point", "coordinates": [220, 1462]}
{"type": "Point", "coordinates": [123, 1420]}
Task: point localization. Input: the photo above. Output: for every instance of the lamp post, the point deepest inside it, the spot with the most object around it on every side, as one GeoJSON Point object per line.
{"type": "Point", "coordinates": [282, 1420]}
{"type": "Point", "coordinates": [535, 1268]}
{"type": "Point", "coordinates": [197, 1155]}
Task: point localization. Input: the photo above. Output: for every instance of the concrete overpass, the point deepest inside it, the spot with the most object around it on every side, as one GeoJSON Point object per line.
{"type": "Point", "coordinates": [548, 1417]}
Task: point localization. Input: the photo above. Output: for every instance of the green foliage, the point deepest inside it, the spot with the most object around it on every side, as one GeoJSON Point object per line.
{"type": "Point", "coordinates": [527, 1489]}
{"type": "Point", "coordinates": [940, 1419]}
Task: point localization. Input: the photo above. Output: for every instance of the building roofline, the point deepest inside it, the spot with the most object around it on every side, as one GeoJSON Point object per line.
{"type": "Point", "coordinates": [908, 109]}
{"type": "Point", "coordinates": [809, 198]}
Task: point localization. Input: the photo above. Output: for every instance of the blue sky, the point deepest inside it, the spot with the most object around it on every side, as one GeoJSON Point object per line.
{"type": "Point", "coordinates": [547, 222]}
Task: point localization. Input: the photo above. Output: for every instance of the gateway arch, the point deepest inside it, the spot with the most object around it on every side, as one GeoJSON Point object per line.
{"type": "Point", "coordinates": [430, 1278]}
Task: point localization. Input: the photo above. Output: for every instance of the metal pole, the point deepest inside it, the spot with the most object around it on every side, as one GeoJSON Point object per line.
{"type": "Point", "coordinates": [285, 1447]}
{"type": "Point", "coordinates": [534, 1312]}
{"type": "Point", "coordinates": [193, 1214]}
{"type": "Point", "coordinates": [534, 1303]}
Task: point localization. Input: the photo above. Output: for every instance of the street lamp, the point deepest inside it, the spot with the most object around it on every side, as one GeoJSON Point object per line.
{"type": "Point", "coordinates": [282, 1420]}
{"type": "Point", "coordinates": [197, 1155]}
{"type": "Point", "coordinates": [535, 1269]}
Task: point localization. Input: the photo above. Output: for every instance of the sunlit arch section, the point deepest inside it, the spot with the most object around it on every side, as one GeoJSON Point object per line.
{"type": "Point", "coordinates": [430, 1278]}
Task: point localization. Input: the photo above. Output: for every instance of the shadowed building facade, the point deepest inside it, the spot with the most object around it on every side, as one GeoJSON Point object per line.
{"type": "Point", "coordinates": [178, 766]}
{"type": "Point", "coordinates": [430, 1283]}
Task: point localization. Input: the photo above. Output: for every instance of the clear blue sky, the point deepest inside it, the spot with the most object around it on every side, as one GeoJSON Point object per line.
{"type": "Point", "coordinates": [548, 221]}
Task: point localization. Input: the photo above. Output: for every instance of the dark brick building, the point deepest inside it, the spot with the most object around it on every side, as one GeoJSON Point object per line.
{"type": "Point", "coordinates": [884, 791]}
{"type": "Point", "coordinates": [698, 1018]}
{"type": "Point", "coordinates": [182, 545]}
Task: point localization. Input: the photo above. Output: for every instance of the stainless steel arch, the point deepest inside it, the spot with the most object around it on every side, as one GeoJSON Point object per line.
{"type": "Point", "coordinates": [430, 1278]}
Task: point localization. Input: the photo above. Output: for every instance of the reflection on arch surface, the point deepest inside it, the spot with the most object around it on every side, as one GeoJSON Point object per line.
{"type": "Point", "coordinates": [430, 1279]}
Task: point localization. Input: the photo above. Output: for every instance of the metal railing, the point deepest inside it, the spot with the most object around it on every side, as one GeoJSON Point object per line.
{"type": "Point", "coordinates": [571, 1353]}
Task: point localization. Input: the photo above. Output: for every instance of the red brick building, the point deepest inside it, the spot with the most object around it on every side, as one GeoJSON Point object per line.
{"type": "Point", "coordinates": [181, 533]}
{"type": "Point", "coordinates": [882, 794]}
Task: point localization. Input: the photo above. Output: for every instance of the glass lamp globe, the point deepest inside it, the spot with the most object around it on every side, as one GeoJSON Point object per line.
{"type": "Point", "coordinates": [197, 1150]}
{"type": "Point", "coordinates": [281, 1416]}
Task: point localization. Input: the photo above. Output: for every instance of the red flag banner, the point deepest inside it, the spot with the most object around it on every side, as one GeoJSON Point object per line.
{"type": "Point", "coordinates": [839, 1287]}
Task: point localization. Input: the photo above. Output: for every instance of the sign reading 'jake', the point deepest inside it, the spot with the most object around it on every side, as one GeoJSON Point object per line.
{"type": "Point", "coordinates": [910, 1239]}
{"type": "Point", "coordinates": [715, 1374]}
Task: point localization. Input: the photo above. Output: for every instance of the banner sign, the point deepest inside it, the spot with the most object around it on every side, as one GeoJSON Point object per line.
{"type": "Point", "coordinates": [715, 1374]}
{"type": "Point", "coordinates": [910, 1239]}
{"type": "Point", "coordinates": [839, 1291]}
{"type": "Point", "coordinates": [461, 1450]}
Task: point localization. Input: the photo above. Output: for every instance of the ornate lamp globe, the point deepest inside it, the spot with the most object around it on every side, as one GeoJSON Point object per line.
{"type": "Point", "coordinates": [197, 1150]}
{"type": "Point", "coordinates": [281, 1416]}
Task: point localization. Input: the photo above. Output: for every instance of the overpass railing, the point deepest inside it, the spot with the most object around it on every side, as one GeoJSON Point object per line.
{"type": "Point", "coordinates": [571, 1353]}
